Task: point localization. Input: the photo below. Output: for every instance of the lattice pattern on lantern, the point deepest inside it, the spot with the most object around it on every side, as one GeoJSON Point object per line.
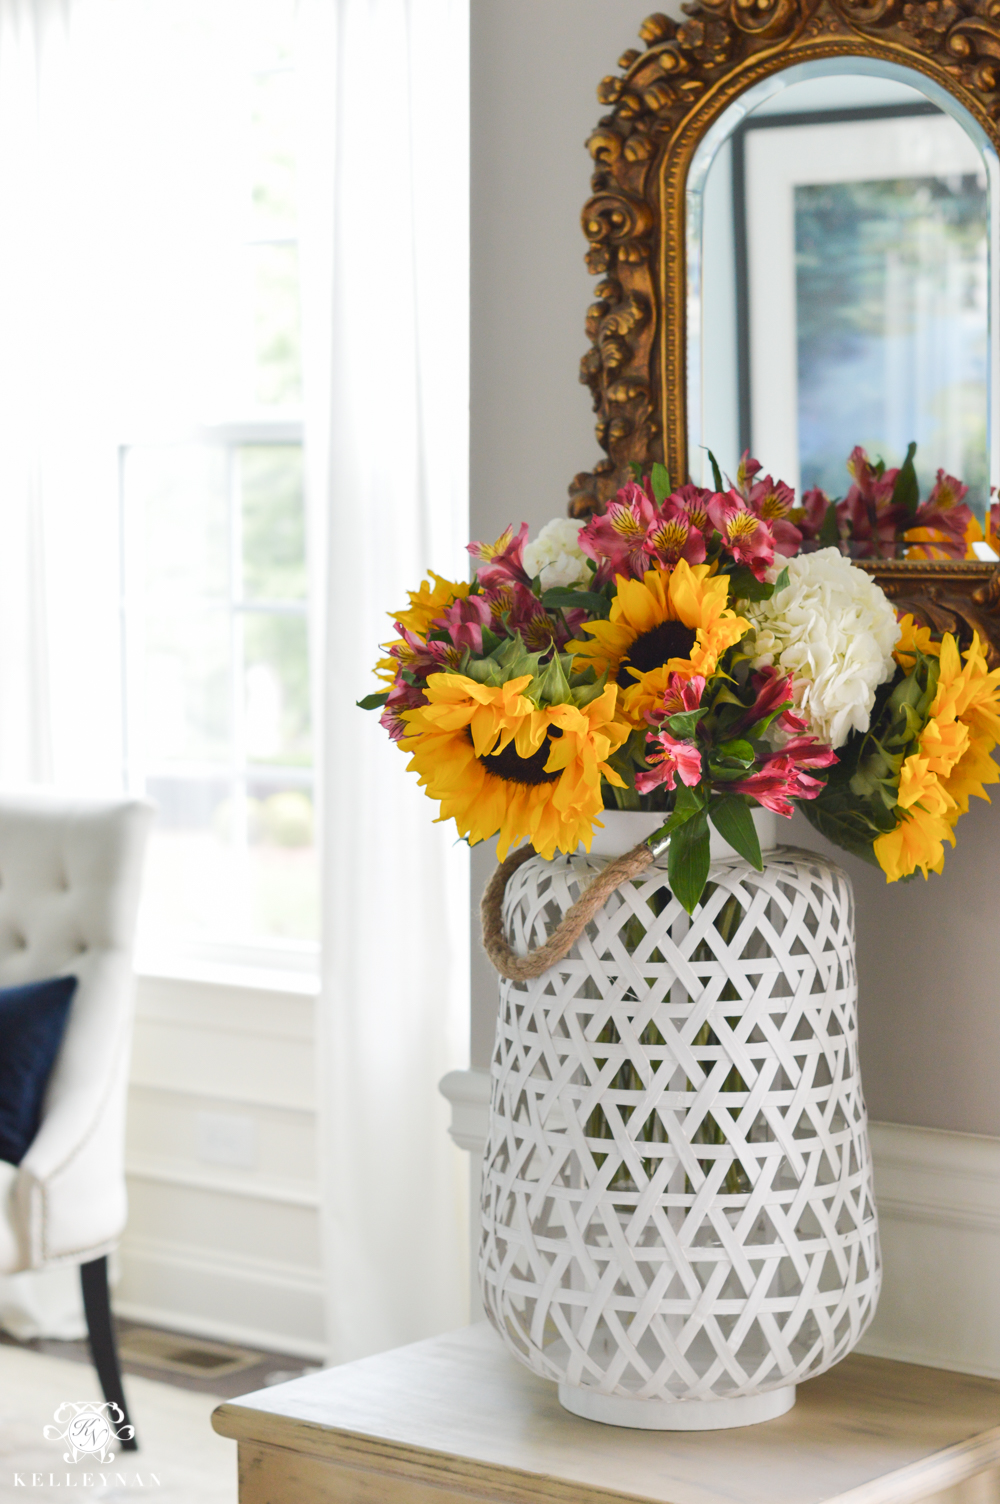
{"type": "Point", "coordinates": [677, 1190]}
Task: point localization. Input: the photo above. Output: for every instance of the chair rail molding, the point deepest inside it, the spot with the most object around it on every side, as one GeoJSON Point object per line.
{"type": "Point", "coordinates": [938, 1197]}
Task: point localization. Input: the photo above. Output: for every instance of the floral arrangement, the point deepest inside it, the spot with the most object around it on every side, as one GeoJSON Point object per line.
{"type": "Point", "coordinates": [699, 652]}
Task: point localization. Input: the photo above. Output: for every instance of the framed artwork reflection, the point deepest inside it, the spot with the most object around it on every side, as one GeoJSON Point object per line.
{"type": "Point", "coordinates": [861, 293]}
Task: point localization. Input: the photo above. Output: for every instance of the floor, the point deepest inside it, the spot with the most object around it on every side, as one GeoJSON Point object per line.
{"type": "Point", "coordinates": [266, 1368]}
{"type": "Point", "coordinates": [180, 1459]}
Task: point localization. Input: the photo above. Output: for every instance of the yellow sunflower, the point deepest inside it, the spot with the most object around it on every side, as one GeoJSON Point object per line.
{"type": "Point", "coordinates": [498, 763]}
{"type": "Point", "coordinates": [426, 605]}
{"type": "Point", "coordinates": [669, 622]}
{"type": "Point", "coordinates": [953, 761]}
{"type": "Point", "coordinates": [429, 602]}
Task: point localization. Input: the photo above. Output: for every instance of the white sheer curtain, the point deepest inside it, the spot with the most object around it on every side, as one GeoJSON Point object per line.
{"type": "Point", "coordinates": [118, 314]}
{"type": "Point", "coordinates": [385, 311]}
{"type": "Point", "coordinates": [115, 301]}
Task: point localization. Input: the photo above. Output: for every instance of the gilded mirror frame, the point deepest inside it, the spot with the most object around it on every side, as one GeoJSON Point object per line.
{"type": "Point", "coordinates": [663, 102]}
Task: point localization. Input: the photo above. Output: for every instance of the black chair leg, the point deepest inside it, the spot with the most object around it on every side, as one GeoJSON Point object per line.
{"type": "Point", "coordinates": [103, 1350]}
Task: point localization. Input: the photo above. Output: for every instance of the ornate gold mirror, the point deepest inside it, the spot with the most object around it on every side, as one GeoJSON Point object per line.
{"type": "Point", "coordinates": [795, 223]}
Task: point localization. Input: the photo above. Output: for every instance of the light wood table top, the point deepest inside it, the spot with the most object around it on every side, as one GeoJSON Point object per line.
{"type": "Point", "coordinates": [457, 1418]}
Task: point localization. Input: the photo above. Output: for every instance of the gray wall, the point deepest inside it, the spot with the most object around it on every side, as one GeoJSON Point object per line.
{"type": "Point", "coordinates": [929, 953]}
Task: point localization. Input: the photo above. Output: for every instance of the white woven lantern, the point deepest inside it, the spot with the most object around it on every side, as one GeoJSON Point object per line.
{"type": "Point", "coordinates": [678, 1222]}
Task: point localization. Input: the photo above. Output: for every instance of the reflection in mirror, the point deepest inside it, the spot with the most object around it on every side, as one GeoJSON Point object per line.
{"type": "Point", "coordinates": [844, 300]}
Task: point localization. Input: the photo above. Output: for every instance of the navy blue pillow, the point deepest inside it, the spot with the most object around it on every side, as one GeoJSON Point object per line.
{"type": "Point", "coordinates": [32, 1020]}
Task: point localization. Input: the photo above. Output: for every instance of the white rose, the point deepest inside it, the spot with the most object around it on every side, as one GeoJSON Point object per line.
{"type": "Point", "coordinates": [833, 630]}
{"type": "Point", "coordinates": [555, 556]}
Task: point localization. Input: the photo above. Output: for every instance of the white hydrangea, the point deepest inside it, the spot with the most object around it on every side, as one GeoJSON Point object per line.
{"type": "Point", "coordinates": [833, 630]}
{"type": "Point", "coordinates": [556, 556]}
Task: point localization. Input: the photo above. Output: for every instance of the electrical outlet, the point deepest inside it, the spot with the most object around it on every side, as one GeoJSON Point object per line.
{"type": "Point", "coordinates": [227, 1138]}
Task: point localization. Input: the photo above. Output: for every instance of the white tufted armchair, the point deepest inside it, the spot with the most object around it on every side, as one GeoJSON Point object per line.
{"type": "Point", "coordinates": [69, 889]}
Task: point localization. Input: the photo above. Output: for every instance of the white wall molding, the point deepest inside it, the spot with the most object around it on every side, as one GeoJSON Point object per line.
{"type": "Point", "coordinates": [469, 1095]}
{"type": "Point", "coordinates": [255, 1302]}
{"type": "Point", "coordinates": [279, 1193]}
{"type": "Point", "coordinates": [216, 1245]}
{"type": "Point", "coordinates": [938, 1198]}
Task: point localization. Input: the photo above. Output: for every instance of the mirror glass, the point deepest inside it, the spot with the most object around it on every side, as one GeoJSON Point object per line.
{"type": "Point", "coordinates": [839, 275]}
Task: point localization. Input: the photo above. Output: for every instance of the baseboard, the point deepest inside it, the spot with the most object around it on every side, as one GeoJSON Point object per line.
{"type": "Point", "coordinates": [250, 1301]}
{"type": "Point", "coordinates": [938, 1198]}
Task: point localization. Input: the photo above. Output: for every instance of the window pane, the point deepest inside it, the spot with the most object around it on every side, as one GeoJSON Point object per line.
{"type": "Point", "coordinates": [275, 281]}
{"type": "Point", "coordinates": [194, 880]}
{"type": "Point", "coordinates": [187, 686]}
{"type": "Point", "coordinates": [284, 873]}
{"type": "Point", "coordinates": [274, 533]}
{"type": "Point", "coordinates": [225, 864]}
{"type": "Point", "coordinates": [177, 504]}
{"type": "Point", "coordinates": [276, 686]}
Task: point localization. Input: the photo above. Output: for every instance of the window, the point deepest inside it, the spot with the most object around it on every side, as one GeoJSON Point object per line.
{"type": "Point", "coordinates": [215, 599]}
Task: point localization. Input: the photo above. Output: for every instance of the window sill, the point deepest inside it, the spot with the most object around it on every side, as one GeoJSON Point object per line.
{"type": "Point", "coordinates": [302, 983]}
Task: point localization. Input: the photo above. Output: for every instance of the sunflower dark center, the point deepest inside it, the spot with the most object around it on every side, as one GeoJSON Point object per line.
{"type": "Point", "coordinates": [671, 639]}
{"type": "Point", "coordinates": [529, 770]}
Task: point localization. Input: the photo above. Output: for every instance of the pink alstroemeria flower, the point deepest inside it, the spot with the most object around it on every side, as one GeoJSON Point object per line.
{"type": "Point", "coordinates": [670, 758]}
{"type": "Point", "coordinates": [948, 491]}
{"type": "Point", "coordinates": [781, 777]}
{"type": "Point", "coordinates": [674, 537]}
{"type": "Point", "coordinates": [692, 501]}
{"type": "Point", "coordinates": [674, 760]}
{"type": "Point", "coordinates": [680, 694]}
{"type": "Point", "coordinates": [772, 501]}
{"type": "Point", "coordinates": [514, 608]}
{"type": "Point", "coordinates": [502, 560]}
{"type": "Point", "coordinates": [464, 621]}
{"type": "Point", "coordinates": [815, 504]}
{"type": "Point", "coordinates": [616, 541]}
{"type": "Point", "coordinates": [944, 514]}
{"type": "Point", "coordinates": [771, 689]}
{"type": "Point", "coordinates": [749, 540]}
{"type": "Point", "coordinates": [402, 697]}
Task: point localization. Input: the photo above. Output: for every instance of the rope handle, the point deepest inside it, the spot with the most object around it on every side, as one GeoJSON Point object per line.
{"type": "Point", "coordinates": [559, 944]}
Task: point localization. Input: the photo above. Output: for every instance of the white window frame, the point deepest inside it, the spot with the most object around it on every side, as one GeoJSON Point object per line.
{"type": "Point", "coordinates": [286, 964]}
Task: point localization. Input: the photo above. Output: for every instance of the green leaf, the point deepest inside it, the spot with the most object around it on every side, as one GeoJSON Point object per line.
{"type": "Point", "coordinates": [906, 491]}
{"type": "Point", "coordinates": [486, 671]}
{"type": "Point", "coordinates": [720, 772]}
{"type": "Point", "coordinates": [559, 598]}
{"type": "Point", "coordinates": [716, 472]}
{"type": "Point", "coordinates": [660, 480]}
{"type": "Point", "coordinates": [734, 822]}
{"type": "Point", "coordinates": [491, 641]}
{"type": "Point", "coordinates": [829, 533]}
{"type": "Point", "coordinates": [737, 751]}
{"type": "Point", "coordinates": [781, 583]}
{"type": "Point", "coordinates": [688, 860]}
{"type": "Point", "coordinates": [636, 470]}
{"type": "Point", "coordinates": [842, 831]}
{"type": "Point", "coordinates": [684, 724]}
{"type": "Point", "coordinates": [551, 686]}
{"type": "Point", "coordinates": [372, 702]}
{"type": "Point", "coordinates": [745, 586]}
